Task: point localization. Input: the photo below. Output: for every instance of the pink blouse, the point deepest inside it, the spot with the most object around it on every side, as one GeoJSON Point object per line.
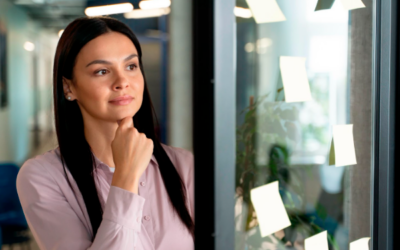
{"type": "Point", "coordinates": [59, 220]}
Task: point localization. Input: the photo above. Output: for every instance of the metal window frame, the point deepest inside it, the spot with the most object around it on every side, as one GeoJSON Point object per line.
{"type": "Point", "coordinates": [225, 122]}
{"type": "Point", "coordinates": [383, 121]}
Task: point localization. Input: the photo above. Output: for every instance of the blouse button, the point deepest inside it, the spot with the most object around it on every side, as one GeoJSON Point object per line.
{"type": "Point", "coordinates": [142, 183]}
{"type": "Point", "coordinates": [147, 218]}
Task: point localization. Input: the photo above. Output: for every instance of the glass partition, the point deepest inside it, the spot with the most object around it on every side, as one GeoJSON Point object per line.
{"type": "Point", "coordinates": [303, 119]}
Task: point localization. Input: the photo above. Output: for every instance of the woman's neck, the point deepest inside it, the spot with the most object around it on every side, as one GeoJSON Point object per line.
{"type": "Point", "coordinates": [99, 135]}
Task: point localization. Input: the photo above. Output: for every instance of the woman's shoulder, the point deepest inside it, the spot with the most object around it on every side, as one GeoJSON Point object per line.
{"type": "Point", "coordinates": [48, 160]}
{"type": "Point", "coordinates": [41, 166]}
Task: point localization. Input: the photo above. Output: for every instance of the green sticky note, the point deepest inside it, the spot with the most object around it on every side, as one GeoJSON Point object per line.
{"type": "Point", "coordinates": [324, 4]}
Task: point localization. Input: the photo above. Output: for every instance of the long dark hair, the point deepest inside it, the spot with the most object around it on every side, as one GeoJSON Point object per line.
{"type": "Point", "coordinates": [75, 151]}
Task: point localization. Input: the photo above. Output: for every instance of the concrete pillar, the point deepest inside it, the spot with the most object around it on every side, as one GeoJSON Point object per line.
{"type": "Point", "coordinates": [179, 122]}
{"type": "Point", "coordinates": [360, 97]}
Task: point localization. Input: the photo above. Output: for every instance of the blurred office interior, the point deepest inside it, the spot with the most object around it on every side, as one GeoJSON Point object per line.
{"type": "Point", "coordinates": [29, 33]}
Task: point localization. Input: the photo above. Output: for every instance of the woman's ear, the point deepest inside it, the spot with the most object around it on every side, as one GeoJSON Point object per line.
{"type": "Point", "coordinates": [68, 89]}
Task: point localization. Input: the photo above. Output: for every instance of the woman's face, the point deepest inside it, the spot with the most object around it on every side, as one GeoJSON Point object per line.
{"type": "Point", "coordinates": [107, 68]}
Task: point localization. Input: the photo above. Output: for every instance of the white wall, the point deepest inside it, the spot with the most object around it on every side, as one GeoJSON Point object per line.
{"type": "Point", "coordinates": [16, 119]}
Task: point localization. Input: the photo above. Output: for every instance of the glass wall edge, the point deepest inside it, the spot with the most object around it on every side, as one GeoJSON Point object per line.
{"type": "Point", "coordinates": [375, 120]}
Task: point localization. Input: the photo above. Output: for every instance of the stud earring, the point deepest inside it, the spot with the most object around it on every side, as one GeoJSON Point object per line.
{"type": "Point", "coordinates": [69, 98]}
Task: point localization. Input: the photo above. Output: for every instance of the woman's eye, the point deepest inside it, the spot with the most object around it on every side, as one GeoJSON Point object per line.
{"type": "Point", "coordinates": [132, 67]}
{"type": "Point", "coordinates": [101, 72]}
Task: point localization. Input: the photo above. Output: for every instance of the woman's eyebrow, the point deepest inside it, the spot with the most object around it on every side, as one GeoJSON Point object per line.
{"type": "Point", "coordinates": [130, 57]}
{"type": "Point", "coordinates": [107, 62]}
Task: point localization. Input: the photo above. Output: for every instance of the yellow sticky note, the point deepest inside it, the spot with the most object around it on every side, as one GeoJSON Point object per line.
{"type": "Point", "coordinates": [361, 244]}
{"type": "Point", "coordinates": [352, 4]}
{"type": "Point", "coordinates": [269, 207]}
{"type": "Point", "coordinates": [266, 11]}
{"type": "Point", "coordinates": [342, 151]}
{"type": "Point", "coordinates": [294, 78]}
{"type": "Point", "coordinates": [317, 242]}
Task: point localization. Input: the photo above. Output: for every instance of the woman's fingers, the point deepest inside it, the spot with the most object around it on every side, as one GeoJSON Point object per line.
{"type": "Point", "coordinates": [132, 152]}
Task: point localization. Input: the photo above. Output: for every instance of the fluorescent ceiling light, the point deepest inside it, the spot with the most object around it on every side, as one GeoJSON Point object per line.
{"type": "Point", "coordinates": [28, 46]}
{"type": "Point", "coordinates": [242, 12]}
{"type": "Point", "coordinates": [109, 9]}
{"type": "Point", "coordinates": [60, 33]}
{"type": "Point", "coordinates": [136, 14]}
{"type": "Point", "coordinates": [154, 4]}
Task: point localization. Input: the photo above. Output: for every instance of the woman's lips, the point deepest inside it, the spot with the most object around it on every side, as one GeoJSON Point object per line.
{"type": "Point", "coordinates": [122, 100]}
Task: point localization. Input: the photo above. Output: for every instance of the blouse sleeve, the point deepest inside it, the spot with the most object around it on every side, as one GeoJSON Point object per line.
{"type": "Point", "coordinates": [56, 226]}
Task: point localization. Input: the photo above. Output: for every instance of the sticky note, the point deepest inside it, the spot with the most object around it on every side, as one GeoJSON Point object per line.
{"type": "Point", "coordinates": [269, 207]}
{"type": "Point", "coordinates": [361, 244]}
{"type": "Point", "coordinates": [295, 80]}
{"type": "Point", "coordinates": [352, 4]}
{"type": "Point", "coordinates": [317, 242]}
{"type": "Point", "coordinates": [342, 151]}
{"type": "Point", "coordinates": [324, 4]}
{"type": "Point", "coordinates": [266, 11]}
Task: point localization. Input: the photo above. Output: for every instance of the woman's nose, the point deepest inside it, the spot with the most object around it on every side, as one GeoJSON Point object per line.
{"type": "Point", "coordinates": [121, 82]}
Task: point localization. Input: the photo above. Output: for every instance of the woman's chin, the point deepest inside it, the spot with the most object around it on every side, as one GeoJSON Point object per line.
{"type": "Point", "coordinates": [122, 115]}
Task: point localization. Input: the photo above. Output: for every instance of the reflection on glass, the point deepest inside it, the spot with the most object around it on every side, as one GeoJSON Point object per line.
{"type": "Point", "coordinates": [292, 90]}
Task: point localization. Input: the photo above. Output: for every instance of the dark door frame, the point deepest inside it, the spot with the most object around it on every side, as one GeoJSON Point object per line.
{"type": "Point", "coordinates": [203, 122]}
{"type": "Point", "coordinates": [384, 77]}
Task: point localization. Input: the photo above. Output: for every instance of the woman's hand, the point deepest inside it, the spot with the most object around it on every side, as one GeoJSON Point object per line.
{"type": "Point", "coordinates": [132, 152]}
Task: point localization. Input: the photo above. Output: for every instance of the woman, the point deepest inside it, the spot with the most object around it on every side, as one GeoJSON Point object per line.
{"type": "Point", "coordinates": [71, 196]}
